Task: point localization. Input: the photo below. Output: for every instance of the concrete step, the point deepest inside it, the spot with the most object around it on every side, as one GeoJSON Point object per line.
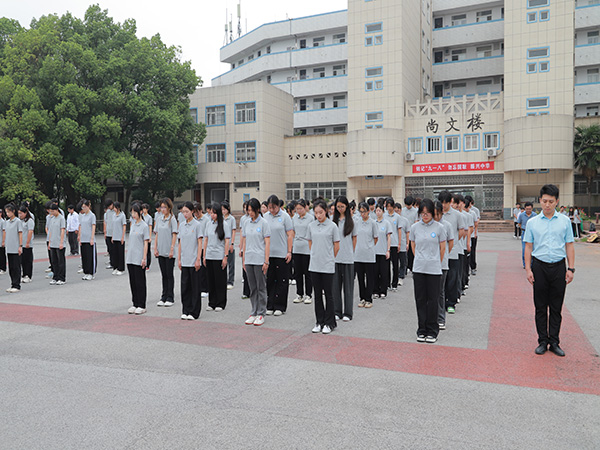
{"type": "Point", "coordinates": [503, 226]}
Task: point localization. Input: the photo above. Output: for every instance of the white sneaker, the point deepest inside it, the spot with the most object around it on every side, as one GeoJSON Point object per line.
{"type": "Point", "coordinates": [26, 280]}
{"type": "Point", "coordinates": [278, 313]}
{"type": "Point", "coordinates": [139, 311]}
{"type": "Point", "coordinates": [317, 329]}
{"type": "Point", "coordinates": [307, 299]}
{"type": "Point", "coordinates": [48, 270]}
{"type": "Point", "coordinates": [259, 321]}
{"type": "Point", "coordinates": [210, 308]}
{"type": "Point", "coordinates": [119, 273]}
{"type": "Point", "coordinates": [60, 282]}
{"type": "Point", "coordinates": [269, 312]}
{"type": "Point", "coordinates": [132, 310]}
{"type": "Point", "coordinates": [326, 329]}
{"type": "Point", "coordinates": [293, 282]}
{"type": "Point", "coordinates": [299, 299]}
{"type": "Point", "coordinates": [190, 317]}
{"type": "Point", "coordinates": [218, 309]}
{"type": "Point", "coordinates": [80, 271]}
{"type": "Point", "coordinates": [167, 304]}
{"type": "Point", "coordinates": [346, 319]}
{"type": "Point", "coordinates": [184, 317]}
{"type": "Point", "coordinates": [160, 303]}
{"type": "Point", "coordinates": [114, 272]}
{"type": "Point", "coordinates": [2, 272]}
{"type": "Point", "coordinates": [14, 290]}
{"type": "Point", "coordinates": [109, 267]}
{"type": "Point", "coordinates": [375, 296]}
{"type": "Point", "coordinates": [204, 295]}
{"type": "Point", "coordinates": [229, 287]}
{"type": "Point", "coordinates": [400, 282]}
{"type": "Point", "coordinates": [250, 320]}
{"type": "Point", "coordinates": [337, 317]}
{"type": "Point", "coordinates": [8, 290]}
{"type": "Point", "coordinates": [53, 282]}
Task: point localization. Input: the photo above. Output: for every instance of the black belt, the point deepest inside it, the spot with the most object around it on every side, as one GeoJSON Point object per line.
{"type": "Point", "coordinates": [554, 264]}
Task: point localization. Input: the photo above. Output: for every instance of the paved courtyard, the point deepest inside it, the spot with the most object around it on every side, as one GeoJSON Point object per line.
{"type": "Point", "coordinates": [78, 372]}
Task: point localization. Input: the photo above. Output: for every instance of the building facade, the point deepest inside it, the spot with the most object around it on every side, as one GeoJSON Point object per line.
{"type": "Point", "coordinates": [395, 97]}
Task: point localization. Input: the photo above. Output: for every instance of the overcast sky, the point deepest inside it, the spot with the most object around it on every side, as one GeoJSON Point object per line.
{"type": "Point", "coordinates": [197, 27]}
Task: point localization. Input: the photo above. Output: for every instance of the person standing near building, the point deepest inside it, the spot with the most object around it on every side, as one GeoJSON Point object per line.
{"type": "Point", "coordinates": [147, 218]}
{"type": "Point", "coordinates": [324, 244]}
{"type": "Point", "coordinates": [404, 231]}
{"type": "Point", "coordinates": [72, 229]}
{"type": "Point", "coordinates": [137, 251]}
{"type": "Point", "coordinates": [56, 244]}
{"type": "Point", "coordinates": [28, 228]}
{"type": "Point", "coordinates": [382, 254]}
{"type": "Point", "coordinates": [372, 203]}
{"type": "Point", "coordinates": [439, 217]}
{"type": "Point", "coordinates": [411, 214]}
{"type": "Point", "coordinates": [191, 242]}
{"type": "Point", "coordinates": [109, 215]}
{"type": "Point", "coordinates": [343, 280]}
{"type": "Point", "coordinates": [230, 220]}
{"type": "Point", "coordinates": [364, 255]}
{"type": "Point", "coordinates": [203, 219]}
{"type": "Point", "coordinates": [12, 241]}
{"type": "Point", "coordinates": [464, 206]}
{"type": "Point", "coordinates": [515, 214]}
{"type": "Point", "coordinates": [256, 245]}
{"type": "Point", "coordinates": [87, 240]}
{"type": "Point", "coordinates": [243, 220]}
{"type": "Point", "coordinates": [301, 253]}
{"type": "Point", "coordinates": [548, 244]}
{"type": "Point", "coordinates": [428, 240]}
{"type": "Point", "coordinates": [119, 228]}
{"type": "Point", "coordinates": [282, 238]}
{"type": "Point", "coordinates": [453, 217]}
{"type": "Point", "coordinates": [522, 220]}
{"type": "Point", "coordinates": [216, 242]}
{"type": "Point", "coordinates": [165, 242]}
{"type": "Point", "coordinates": [49, 270]}
{"type": "Point", "coordinates": [394, 219]}
{"type": "Point", "coordinates": [576, 222]}
{"type": "Point", "coordinates": [474, 211]}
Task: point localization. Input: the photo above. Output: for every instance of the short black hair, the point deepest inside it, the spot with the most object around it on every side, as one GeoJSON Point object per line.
{"type": "Point", "coordinates": [409, 200]}
{"type": "Point", "coordinates": [371, 201]}
{"type": "Point", "coordinates": [468, 197]}
{"type": "Point", "coordinates": [71, 206]}
{"type": "Point", "coordinates": [528, 204]}
{"type": "Point", "coordinates": [54, 207]}
{"type": "Point", "coordinates": [445, 197]}
{"type": "Point", "coordinates": [108, 202]}
{"type": "Point", "coordinates": [426, 204]}
{"type": "Point", "coordinates": [549, 189]}
{"type": "Point", "coordinates": [389, 201]}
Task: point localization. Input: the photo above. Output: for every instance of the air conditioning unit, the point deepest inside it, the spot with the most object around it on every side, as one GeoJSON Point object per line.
{"type": "Point", "coordinates": [410, 156]}
{"type": "Point", "coordinates": [492, 153]}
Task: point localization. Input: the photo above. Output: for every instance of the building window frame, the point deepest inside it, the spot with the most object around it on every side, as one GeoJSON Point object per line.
{"type": "Point", "coordinates": [377, 118]}
{"type": "Point", "coordinates": [216, 114]}
{"type": "Point", "coordinates": [217, 152]}
{"type": "Point", "coordinates": [454, 138]}
{"type": "Point", "coordinates": [547, 55]}
{"type": "Point", "coordinates": [542, 106]}
{"type": "Point", "coordinates": [541, 5]}
{"type": "Point", "coordinates": [496, 137]}
{"type": "Point", "coordinates": [532, 16]}
{"type": "Point", "coordinates": [547, 12]}
{"type": "Point", "coordinates": [245, 113]}
{"type": "Point", "coordinates": [531, 67]}
{"type": "Point", "coordinates": [377, 74]}
{"type": "Point", "coordinates": [477, 141]}
{"type": "Point", "coordinates": [430, 141]}
{"type": "Point", "coordinates": [375, 29]}
{"type": "Point", "coordinates": [245, 151]}
{"type": "Point", "coordinates": [194, 114]}
{"type": "Point", "coordinates": [415, 149]}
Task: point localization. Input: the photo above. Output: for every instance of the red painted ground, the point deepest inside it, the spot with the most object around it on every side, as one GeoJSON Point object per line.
{"type": "Point", "coordinates": [509, 358]}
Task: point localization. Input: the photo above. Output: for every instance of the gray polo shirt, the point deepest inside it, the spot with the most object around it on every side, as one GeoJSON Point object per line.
{"type": "Point", "coordinates": [301, 233]}
{"type": "Point", "coordinates": [203, 221]}
{"type": "Point", "coordinates": [215, 248]}
{"type": "Point", "coordinates": [346, 253]}
{"type": "Point", "coordinates": [180, 217]}
{"type": "Point", "coordinates": [366, 232]}
{"type": "Point", "coordinates": [453, 217]}
{"type": "Point", "coordinates": [280, 224]}
{"type": "Point", "coordinates": [138, 234]}
{"type": "Point", "coordinates": [411, 215]}
{"type": "Point", "coordinates": [405, 228]}
{"type": "Point", "coordinates": [373, 215]}
{"type": "Point", "coordinates": [189, 233]}
{"type": "Point", "coordinates": [231, 221]}
{"type": "Point", "coordinates": [394, 221]}
{"type": "Point", "coordinates": [48, 218]}
{"type": "Point", "coordinates": [28, 226]}
{"type": "Point", "coordinates": [109, 217]}
{"type": "Point", "coordinates": [323, 235]}
{"type": "Point", "coordinates": [468, 223]}
{"type": "Point", "coordinates": [476, 216]}
{"type": "Point", "coordinates": [12, 229]}
{"type": "Point", "coordinates": [117, 226]}
{"type": "Point", "coordinates": [243, 221]}
{"type": "Point", "coordinates": [148, 219]}
{"type": "Point", "coordinates": [86, 221]}
{"type": "Point", "coordinates": [427, 238]}
{"type": "Point", "coordinates": [1, 229]}
{"type": "Point", "coordinates": [56, 224]}
{"type": "Point", "coordinates": [164, 229]}
{"type": "Point", "coordinates": [449, 238]}
{"type": "Point", "coordinates": [383, 229]}
{"type": "Point", "coordinates": [255, 232]}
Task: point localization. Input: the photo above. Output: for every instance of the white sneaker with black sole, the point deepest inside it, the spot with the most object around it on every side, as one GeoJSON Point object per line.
{"type": "Point", "coordinates": [317, 329]}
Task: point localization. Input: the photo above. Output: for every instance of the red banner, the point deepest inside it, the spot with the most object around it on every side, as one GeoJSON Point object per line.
{"type": "Point", "coordinates": [453, 167]}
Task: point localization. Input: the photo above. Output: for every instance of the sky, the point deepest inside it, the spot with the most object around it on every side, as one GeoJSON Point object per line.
{"type": "Point", "coordinates": [197, 27]}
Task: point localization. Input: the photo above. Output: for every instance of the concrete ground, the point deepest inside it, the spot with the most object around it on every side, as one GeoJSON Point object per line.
{"type": "Point", "coordinates": [78, 372]}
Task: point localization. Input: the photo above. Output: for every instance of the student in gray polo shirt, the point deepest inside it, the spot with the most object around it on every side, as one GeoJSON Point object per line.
{"type": "Point", "coordinates": [453, 217]}
{"type": "Point", "coordinates": [109, 215]}
{"type": "Point", "coordinates": [382, 254]}
{"type": "Point", "coordinates": [324, 243]}
{"type": "Point", "coordinates": [217, 236]}
{"type": "Point", "coordinates": [256, 245]}
{"type": "Point", "coordinates": [137, 252]}
{"type": "Point", "coordinates": [12, 240]}
{"type": "Point", "coordinates": [428, 240]}
{"type": "Point", "coordinates": [301, 253]}
{"type": "Point", "coordinates": [364, 255]}
{"type": "Point", "coordinates": [87, 232]}
{"type": "Point", "coordinates": [344, 261]}
{"type": "Point", "coordinates": [146, 217]}
{"type": "Point", "coordinates": [394, 219]}
{"type": "Point", "coordinates": [165, 241]}
{"type": "Point", "coordinates": [28, 233]}
{"type": "Point", "coordinates": [404, 230]}
{"type": "Point", "coordinates": [203, 219]}
{"type": "Point", "coordinates": [230, 220]}
{"type": "Point", "coordinates": [190, 253]}
{"type": "Point", "coordinates": [439, 217]}
{"type": "Point", "coordinates": [56, 244]}
{"type": "Point", "coordinates": [119, 227]}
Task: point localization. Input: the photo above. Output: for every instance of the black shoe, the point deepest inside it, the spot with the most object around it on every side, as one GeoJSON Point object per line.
{"type": "Point", "coordinates": [554, 348]}
{"type": "Point", "coordinates": [541, 349]}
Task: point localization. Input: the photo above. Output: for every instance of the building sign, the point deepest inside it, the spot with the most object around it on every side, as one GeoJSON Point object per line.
{"type": "Point", "coordinates": [453, 167]}
{"type": "Point", "coordinates": [473, 124]}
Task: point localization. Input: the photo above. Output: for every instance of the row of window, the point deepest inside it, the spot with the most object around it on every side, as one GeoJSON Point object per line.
{"type": "Point", "coordinates": [452, 143]}
{"type": "Point", "coordinates": [244, 152]}
{"type": "Point", "coordinates": [461, 19]}
{"type": "Point", "coordinates": [243, 113]}
{"type": "Point", "coordinates": [460, 54]}
{"type": "Point", "coordinates": [339, 101]}
{"type": "Point", "coordinates": [543, 16]}
{"type": "Point", "coordinates": [327, 190]}
{"type": "Point", "coordinates": [542, 66]}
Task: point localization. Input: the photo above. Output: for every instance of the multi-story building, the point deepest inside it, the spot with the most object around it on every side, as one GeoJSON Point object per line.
{"type": "Point", "coordinates": [398, 97]}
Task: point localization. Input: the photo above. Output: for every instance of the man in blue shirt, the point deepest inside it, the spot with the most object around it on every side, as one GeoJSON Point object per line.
{"type": "Point", "coordinates": [522, 224]}
{"type": "Point", "coordinates": [548, 241]}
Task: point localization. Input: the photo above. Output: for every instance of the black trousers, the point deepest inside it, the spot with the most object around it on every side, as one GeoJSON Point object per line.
{"type": "Point", "coordinates": [246, 286]}
{"type": "Point", "coordinates": [14, 269]}
{"type": "Point", "coordinates": [74, 248]}
{"type": "Point", "coordinates": [191, 295]}
{"type": "Point", "coordinates": [119, 256]}
{"type": "Point", "coordinates": [59, 264]}
{"type": "Point", "coordinates": [465, 271]}
{"type": "Point", "coordinates": [427, 294]}
{"type": "Point", "coordinates": [461, 268]}
{"type": "Point", "coordinates": [217, 283]}
{"type": "Point", "coordinates": [365, 276]}
{"type": "Point", "coordinates": [27, 262]}
{"type": "Point", "coordinates": [149, 255]}
{"type": "Point", "coordinates": [304, 284]}
{"type": "Point", "coordinates": [473, 255]}
{"type": "Point", "coordinates": [88, 258]}
{"type": "Point", "coordinates": [452, 282]}
{"type": "Point", "coordinates": [382, 275]}
{"type": "Point", "coordinates": [403, 259]}
{"type": "Point", "coordinates": [2, 258]}
{"type": "Point", "coordinates": [202, 275]}
{"type": "Point", "coordinates": [517, 230]}
{"type": "Point", "coordinates": [394, 262]}
{"type": "Point", "coordinates": [278, 277]}
{"type": "Point", "coordinates": [50, 259]}
{"type": "Point", "coordinates": [166, 265]}
{"type": "Point", "coordinates": [411, 258]}
{"type": "Point", "coordinates": [548, 296]}
{"type": "Point", "coordinates": [137, 282]}
{"type": "Point", "coordinates": [110, 250]}
{"type": "Point", "coordinates": [323, 284]}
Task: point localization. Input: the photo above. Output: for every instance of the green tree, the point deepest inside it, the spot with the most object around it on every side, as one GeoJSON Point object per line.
{"type": "Point", "coordinates": [587, 155]}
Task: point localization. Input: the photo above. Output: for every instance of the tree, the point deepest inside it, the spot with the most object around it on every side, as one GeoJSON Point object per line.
{"type": "Point", "coordinates": [587, 155]}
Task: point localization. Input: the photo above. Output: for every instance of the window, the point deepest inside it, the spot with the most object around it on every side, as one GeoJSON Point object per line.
{"type": "Point", "coordinates": [374, 116]}
{"type": "Point", "coordinates": [246, 184]}
{"type": "Point", "coordinates": [378, 39]}
{"type": "Point", "coordinates": [319, 131]}
{"type": "Point", "coordinates": [459, 54]}
{"type": "Point", "coordinates": [339, 70]}
{"type": "Point", "coordinates": [292, 191]}
{"type": "Point", "coordinates": [378, 85]}
{"type": "Point", "coordinates": [215, 115]}
{"type": "Point", "coordinates": [485, 51]}
{"type": "Point", "coordinates": [318, 41]}
{"type": "Point", "coordinates": [319, 72]}
{"type": "Point", "coordinates": [300, 132]}
{"type": "Point", "coordinates": [452, 143]}
{"type": "Point", "coordinates": [302, 43]}
{"type": "Point", "coordinates": [369, 85]}
{"type": "Point", "coordinates": [368, 41]}
{"type": "Point", "coordinates": [484, 86]}
{"type": "Point", "coordinates": [592, 76]}
{"type": "Point", "coordinates": [269, 79]}
{"type": "Point", "coordinates": [438, 22]}
{"type": "Point", "coordinates": [194, 114]}
{"type": "Point", "coordinates": [544, 16]}
{"type": "Point", "coordinates": [302, 74]}
{"type": "Point", "coordinates": [415, 145]}
{"type": "Point", "coordinates": [532, 17]}
{"type": "Point", "coordinates": [339, 38]}
{"type": "Point", "coordinates": [302, 104]}
{"type": "Point", "coordinates": [459, 89]}
{"type": "Point", "coordinates": [544, 66]}
{"type": "Point", "coordinates": [319, 103]}
{"type": "Point", "coordinates": [374, 72]}
{"type": "Point", "coordinates": [240, 62]}
{"type": "Point", "coordinates": [491, 140]}
{"type": "Point", "coordinates": [459, 19]}
{"type": "Point", "coordinates": [250, 58]}
{"type": "Point", "coordinates": [592, 37]}
{"type": "Point", "coordinates": [328, 190]}
{"type": "Point", "coordinates": [268, 49]}
{"type": "Point", "coordinates": [438, 57]}
{"type": "Point", "coordinates": [433, 144]}
{"type": "Point", "coordinates": [373, 27]}
{"type": "Point", "coordinates": [245, 112]}
{"type": "Point", "coordinates": [592, 111]}
{"type": "Point", "coordinates": [541, 102]}
{"type": "Point", "coordinates": [245, 151]}
{"type": "Point", "coordinates": [471, 142]}
{"type": "Point", "coordinates": [215, 153]}
{"type": "Point", "coordinates": [543, 52]}
{"type": "Point", "coordinates": [340, 129]}
{"type": "Point", "coordinates": [537, 3]}
{"type": "Point", "coordinates": [484, 16]}
{"type": "Point", "coordinates": [370, 127]}
{"type": "Point", "coordinates": [531, 67]}
{"type": "Point", "coordinates": [258, 54]}
{"type": "Point", "coordinates": [339, 101]}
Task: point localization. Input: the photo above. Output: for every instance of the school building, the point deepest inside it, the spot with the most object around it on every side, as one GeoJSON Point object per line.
{"type": "Point", "coordinates": [396, 97]}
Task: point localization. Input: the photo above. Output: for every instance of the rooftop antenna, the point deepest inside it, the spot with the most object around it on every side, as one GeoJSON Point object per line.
{"type": "Point", "coordinates": [239, 15]}
{"type": "Point", "coordinates": [225, 39]}
{"type": "Point", "coordinates": [230, 28]}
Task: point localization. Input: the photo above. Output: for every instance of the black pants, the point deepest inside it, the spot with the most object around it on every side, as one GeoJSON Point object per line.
{"type": "Point", "coordinates": [110, 248]}
{"type": "Point", "coordinates": [303, 281]}
{"type": "Point", "coordinates": [548, 297]}
{"type": "Point", "coordinates": [465, 272]}
{"type": "Point", "coordinates": [576, 232]}
{"type": "Point", "coordinates": [119, 256]}
{"type": "Point", "coordinates": [202, 275]}
{"type": "Point", "coordinates": [191, 296]}
{"type": "Point", "coordinates": [217, 283]}
{"type": "Point", "coordinates": [473, 255]}
{"type": "Point", "coordinates": [382, 275]}
{"type": "Point", "coordinates": [246, 286]}
{"type": "Point", "coordinates": [149, 255]}
{"type": "Point", "coordinates": [394, 262]}
{"type": "Point", "coordinates": [365, 276]}
{"type": "Point", "coordinates": [72, 236]}
{"type": "Point", "coordinates": [323, 284]}
{"type": "Point", "coordinates": [452, 282]}
{"type": "Point", "coordinates": [427, 293]}
{"type": "Point", "coordinates": [166, 265]}
{"type": "Point", "coordinates": [27, 262]}
{"type": "Point", "coordinates": [88, 258]}
{"type": "Point", "coordinates": [411, 258]}
{"type": "Point", "coordinates": [517, 230]}
{"type": "Point", "coordinates": [343, 281]}
{"type": "Point", "coordinates": [277, 284]}
{"type": "Point", "coordinates": [2, 258]}
{"type": "Point", "coordinates": [403, 259]}
{"type": "Point", "coordinates": [50, 259]}
{"type": "Point", "coordinates": [59, 263]}
{"type": "Point", "coordinates": [461, 268]}
{"type": "Point", "coordinates": [14, 269]}
{"type": "Point", "coordinates": [137, 282]}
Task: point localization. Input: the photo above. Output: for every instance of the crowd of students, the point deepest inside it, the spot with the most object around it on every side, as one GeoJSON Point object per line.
{"type": "Point", "coordinates": [319, 248]}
